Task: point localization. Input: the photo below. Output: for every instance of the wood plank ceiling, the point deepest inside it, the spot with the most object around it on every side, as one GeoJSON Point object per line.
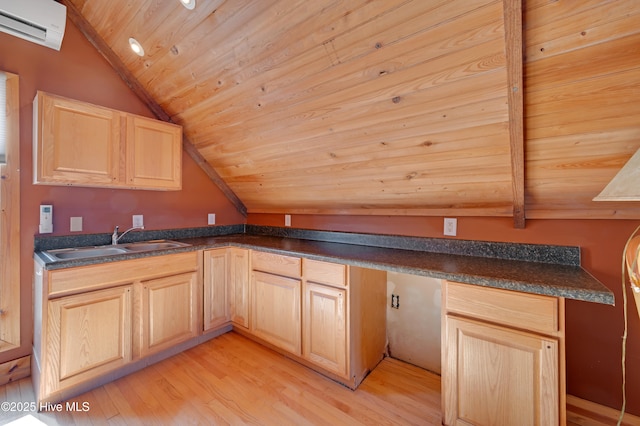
{"type": "Point", "coordinates": [329, 106]}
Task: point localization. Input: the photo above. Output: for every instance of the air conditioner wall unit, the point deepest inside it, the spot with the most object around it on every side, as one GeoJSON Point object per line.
{"type": "Point", "coordinates": [39, 21]}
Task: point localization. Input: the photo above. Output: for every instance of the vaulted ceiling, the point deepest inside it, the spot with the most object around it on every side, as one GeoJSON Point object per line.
{"type": "Point", "coordinates": [382, 107]}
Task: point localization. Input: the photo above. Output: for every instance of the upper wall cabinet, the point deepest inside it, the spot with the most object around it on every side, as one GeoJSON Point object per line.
{"type": "Point", "coordinates": [153, 153]}
{"type": "Point", "coordinates": [75, 143]}
{"type": "Point", "coordinates": [80, 144]}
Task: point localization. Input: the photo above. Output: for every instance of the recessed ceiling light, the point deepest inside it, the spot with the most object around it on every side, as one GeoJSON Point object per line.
{"type": "Point", "coordinates": [189, 4]}
{"type": "Point", "coordinates": [136, 47]}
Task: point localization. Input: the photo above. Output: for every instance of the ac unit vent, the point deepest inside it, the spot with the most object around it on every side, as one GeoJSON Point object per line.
{"type": "Point", "coordinates": [27, 29]}
{"type": "Point", "coordinates": [39, 21]}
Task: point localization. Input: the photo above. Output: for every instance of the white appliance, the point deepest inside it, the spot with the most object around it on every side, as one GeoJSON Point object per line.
{"type": "Point", "coordinates": [38, 21]}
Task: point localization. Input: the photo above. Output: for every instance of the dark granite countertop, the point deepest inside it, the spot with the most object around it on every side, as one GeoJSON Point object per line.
{"type": "Point", "coordinates": [564, 279]}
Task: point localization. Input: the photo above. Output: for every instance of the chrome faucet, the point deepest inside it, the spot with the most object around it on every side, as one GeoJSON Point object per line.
{"type": "Point", "coordinates": [115, 238]}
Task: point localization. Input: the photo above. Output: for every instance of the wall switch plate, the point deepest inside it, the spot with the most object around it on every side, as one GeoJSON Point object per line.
{"type": "Point", "coordinates": [75, 224]}
{"type": "Point", "coordinates": [211, 219]}
{"type": "Point", "coordinates": [450, 226]}
{"type": "Point", "coordinates": [287, 220]}
{"type": "Point", "coordinates": [138, 221]}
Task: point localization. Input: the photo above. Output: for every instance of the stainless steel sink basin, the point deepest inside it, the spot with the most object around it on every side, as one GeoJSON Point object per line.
{"type": "Point", "coordinates": [153, 245]}
{"type": "Point", "coordinates": [83, 252]}
{"type": "Point", "coordinates": [111, 250]}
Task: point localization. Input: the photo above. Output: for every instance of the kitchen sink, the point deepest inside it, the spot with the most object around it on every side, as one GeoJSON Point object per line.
{"type": "Point", "coordinates": [153, 245]}
{"type": "Point", "coordinates": [111, 250]}
{"type": "Point", "coordinates": [82, 252]}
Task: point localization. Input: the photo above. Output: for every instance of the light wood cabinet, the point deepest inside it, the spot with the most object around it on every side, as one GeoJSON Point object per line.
{"type": "Point", "coordinates": [325, 327]}
{"type": "Point", "coordinates": [154, 154]}
{"type": "Point", "coordinates": [344, 317]}
{"type": "Point", "coordinates": [92, 321]}
{"type": "Point", "coordinates": [277, 264]}
{"type": "Point", "coordinates": [238, 286]}
{"type": "Point", "coordinates": [169, 312]}
{"type": "Point", "coordinates": [80, 144]}
{"type": "Point", "coordinates": [226, 287]}
{"type": "Point", "coordinates": [216, 282]}
{"type": "Point", "coordinates": [329, 316]}
{"type": "Point", "coordinates": [89, 335]}
{"type": "Point", "coordinates": [276, 310]}
{"type": "Point", "coordinates": [502, 357]}
{"type": "Point", "coordinates": [75, 143]}
{"type": "Point", "coordinates": [276, 287]}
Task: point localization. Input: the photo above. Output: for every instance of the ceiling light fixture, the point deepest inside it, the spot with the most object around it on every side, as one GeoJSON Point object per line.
{"type": "Point", "coordinates": [136, 47]}
{"type": "Point", "coordinates": [189, 4]}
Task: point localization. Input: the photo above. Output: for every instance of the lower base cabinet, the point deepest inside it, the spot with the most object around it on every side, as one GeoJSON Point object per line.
{"type": "Point", "coordinates": [238, 265]}
{"type": "Point", "coordinates": [503, 352]}
{"type": "Point", "coordinates": [216, 283]}
{"type": "Point", "coordinates": [226, 287]}
{"type": "Point", "coordinates": [503, 357]}
{"type": "Point", "coordinates": [325, 328]}
{"type": "Point", "coordinates": [329, 316]}
{"type": "Point", "coordinates": [276, 310]}
{"type": "Point", "coordinates": [169, 311]}
{"type": "Point", "coordinates": [89, 334]}
{"type": "Point", "coordinates": [91, 321]}
{"type": "Point", "coordinates": [345, 319]}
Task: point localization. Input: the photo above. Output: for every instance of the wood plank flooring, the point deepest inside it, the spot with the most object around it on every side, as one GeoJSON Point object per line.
{"type": "Point", "coordinates": [232, 380]}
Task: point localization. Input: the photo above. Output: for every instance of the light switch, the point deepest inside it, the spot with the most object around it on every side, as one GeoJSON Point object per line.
{"type": "Point", "coordinates": [76, 224]}
{"type": "Point", "coordinates": [287, 220]}
{"type": "Point", "coordinates": [211, 219]}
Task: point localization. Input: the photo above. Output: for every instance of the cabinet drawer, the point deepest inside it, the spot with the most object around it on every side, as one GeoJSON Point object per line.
{"type": "Point", "coordinates": [324, 272]}
{"type": "Point", "coordinates": [520, 310]}
{"type": "Point", "coordinates": [276, 264]}
{"type": "Point", "coordinates": [92, 277]}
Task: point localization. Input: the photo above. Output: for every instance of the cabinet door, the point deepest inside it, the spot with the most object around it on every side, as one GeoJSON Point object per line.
{"type": "Point", "coordinates": [169, 312]}
{"type": "Point", "coordinates": [325, 327]}
{"type": "Point", "coordinates": [497, 376]}
{"type": "Point", "coordinates": [216, 302]}
{"type": "Point", "coordinates": [75, 143]}
{"type": "Point", "coordinates": [276, 310]}
{"type": "Point", "coordinates": [89, 334]}
{"type": "Point", "coordinates": [154, 154]}
{"type": "Point", "coordinates": [238, 262]}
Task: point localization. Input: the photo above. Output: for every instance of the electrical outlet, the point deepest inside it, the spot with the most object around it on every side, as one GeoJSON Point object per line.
{"type": "Point", "coordinates": [75, 224]}
{"type": "Point", "coordinates": [138, 221]}
{"type": "Point", "coordinates": [450, 226]}
{"type": "Point", "coordinates": [211, 219]}
{"type": "Point", "coordinates": [395, 301]}
{"type": "Point", "coordinates": [287, 220]}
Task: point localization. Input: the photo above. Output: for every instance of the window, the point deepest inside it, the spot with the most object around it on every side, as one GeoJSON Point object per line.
{"type": "Point", "coordinates": [9, 212]}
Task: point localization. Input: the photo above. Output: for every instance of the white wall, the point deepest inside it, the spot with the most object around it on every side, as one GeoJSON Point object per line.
{"type": "Point", "coordinates": [413, 329]}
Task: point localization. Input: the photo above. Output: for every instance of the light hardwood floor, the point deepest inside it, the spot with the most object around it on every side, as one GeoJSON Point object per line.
{"type": "Point", "coordinates": [232, 380]}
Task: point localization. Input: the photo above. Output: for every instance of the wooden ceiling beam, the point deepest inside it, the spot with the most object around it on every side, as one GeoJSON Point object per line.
{"type": "Point", "coordinates": [514, 56]}
{"type": "Point", "coordinates": [103, 48]}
